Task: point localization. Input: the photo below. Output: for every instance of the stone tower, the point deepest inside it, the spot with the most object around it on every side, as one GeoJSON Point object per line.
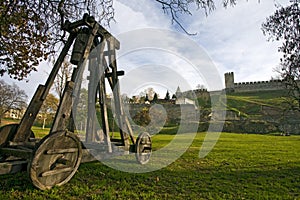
{"type": "Point", "coordinates": [229, 81]}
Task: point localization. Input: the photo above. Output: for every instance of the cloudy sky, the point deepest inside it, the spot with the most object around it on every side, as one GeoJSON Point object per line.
{"type": "Point", "coordinates": [156, 53]}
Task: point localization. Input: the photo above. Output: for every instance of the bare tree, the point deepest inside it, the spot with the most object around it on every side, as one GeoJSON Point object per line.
{"type": "Point", "coordinates": [175, 8]}
{"type": "Point", "coordinates": [64, 75]}
{"type": "Point", "coordinates": [284, 25]}
{"type": "Point", "coordinates": [11, 97]}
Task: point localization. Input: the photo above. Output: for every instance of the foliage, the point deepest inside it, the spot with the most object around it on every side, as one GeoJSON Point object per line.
{"type": "Point", "coordinates": [47, 111]}
{"type": "Point", "coordinates": [11, 97]}
{"type": "Point", "coordinates": [23, 38]}
{"type": "Point", "coordinates": [30, 30]}
{"type": "Point", "coordinates": [240, 166]}
{"type": "Point", "coordinates": [167, 97]}
{"type": "Point", "coordinates": [284, 25]}
{"type": "Point", "coordinates": [155, 97]}
{"type": "Point", "coordinates": [142, 118]}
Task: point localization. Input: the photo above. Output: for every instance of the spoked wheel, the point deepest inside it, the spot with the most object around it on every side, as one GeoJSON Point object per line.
{"type": "Point", "coordinates": [55, 160]}
{"type": "Point", "coordinates": [143, 148]}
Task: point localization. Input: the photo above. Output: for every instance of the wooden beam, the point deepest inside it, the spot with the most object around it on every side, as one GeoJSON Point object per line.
{"type": "Point", "coordinates": [119, 73]}
{"type": "Point", "coordinates": [19, 153]}
{"type": "Point", "coordinates": [57, 171]}
{"type": "Point", "coordinates": [14, 166]}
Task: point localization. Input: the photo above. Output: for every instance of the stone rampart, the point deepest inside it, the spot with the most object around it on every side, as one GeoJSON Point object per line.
{"type": "Point", "coordinates": [259, 86]}
{"type": "Point", "coordinates": [253, 86]}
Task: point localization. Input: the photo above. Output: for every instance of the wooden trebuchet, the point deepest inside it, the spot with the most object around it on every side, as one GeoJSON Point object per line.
{"type": "Point", "coordinates": [54, 159]}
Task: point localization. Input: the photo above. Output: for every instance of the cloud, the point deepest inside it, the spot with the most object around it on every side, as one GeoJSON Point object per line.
{"type": "Point", "coordinates": [229, 39]}
{"type": "Point", "coordinates": [234, 40]}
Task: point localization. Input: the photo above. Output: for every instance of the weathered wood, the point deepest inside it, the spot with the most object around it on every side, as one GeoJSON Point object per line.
{"type": "Point", "coordinates": [13, 166]}
{"type": "Point", "coordinates": [116, 93]}
{"type": "Point", "coordinates": [50, 164]}
{"type": "Point", "coordinates": [20, 153]}
{"type": "Point", "coordinates": [119, 73]}
{"type": "Point", "coordinates": [6, 133]}
{"type": "Point", "coordinates": [63, 112]}
{"type": "Point", "coordinates": [28, 145]}
{"type": "Point", "coordinates": [24, 129]}
{"type": "Point", "coordinates": [91, 22]}
{"type": "Point", "coordinates": [91, 130]}
{"type": "Point", "coordinates": [61, 151]}
{"type": "Point", "coordinates": [23, 132]}
{"type": "Point", "coordinates": [57, 171]}
{"type": "Point", "coordinates": [102, 100]}
{"type": "Point", "coordinates": [143, 148]}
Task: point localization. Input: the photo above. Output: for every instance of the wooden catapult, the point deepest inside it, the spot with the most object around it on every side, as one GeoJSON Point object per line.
{"type": "Point", "coordinates": [54, 159]}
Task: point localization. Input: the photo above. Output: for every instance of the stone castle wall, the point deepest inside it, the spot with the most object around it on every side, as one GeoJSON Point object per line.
{"type": "Point", "coordinates": [231, 86]}
{"type": "Point", "coordinates": [259, 86]}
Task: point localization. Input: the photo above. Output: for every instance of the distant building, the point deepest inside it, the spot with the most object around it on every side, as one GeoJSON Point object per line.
{"type": "Point", "coordinates": [182, 97]}
{"type": "Point", "coordinates": [14, 114]}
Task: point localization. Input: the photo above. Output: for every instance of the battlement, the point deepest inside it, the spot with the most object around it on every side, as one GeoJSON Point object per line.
{"type": "Point", "coordinates": [230, 86]}
{"type": "Point", "coordinates": [259, 82]}
{"type": "Point", "coordinates": [229, 73]}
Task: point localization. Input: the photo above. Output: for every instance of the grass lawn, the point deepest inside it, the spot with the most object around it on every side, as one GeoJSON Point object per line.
{"type": "Point", "coordinates": [241, 166]}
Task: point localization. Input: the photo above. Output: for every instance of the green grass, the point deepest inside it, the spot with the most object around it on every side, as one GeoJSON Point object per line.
{"type": "Point", "coordinates": [241, 166]}
{"type": "Point", "coordinates": [39, 132]}
{"type": "Point", "coordinates": [249, 104]}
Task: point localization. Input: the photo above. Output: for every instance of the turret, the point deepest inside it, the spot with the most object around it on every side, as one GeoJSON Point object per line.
{"type": "Point", "coordinates": [229, 81]}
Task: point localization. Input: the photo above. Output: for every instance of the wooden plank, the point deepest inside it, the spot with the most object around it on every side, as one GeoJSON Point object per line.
{"type": "Point", "coordinates": [20, 153]}
{"type": "Point", "coordinates": [62, 151]}
{"type": "Point", "coordinates": [58, 64]}
{"type": "Point", "coordinates": [57, 171]}
{"type": "Point", "coordinates": [14, 166]}
{"type": "Point", "coordinates": [6, 133]}
{"type": "Point", "coordinates": [24, 130]}
{"type": "Point", "coordinates": [63, 112]}
{"type": "Point", "coordinates": [116, 93]}
{"type": "Point", "coordinates": [103, 105]}
{"type": "Point", "coordinates": [119, 73]}
{"type": "Point", "coordinates": [28, 144]}
{"type": "Point", "coordinates": [92, 88]}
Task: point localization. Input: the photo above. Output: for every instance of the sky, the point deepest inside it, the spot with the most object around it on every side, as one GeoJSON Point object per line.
{"type": "Point", "coordinates": [156, 53]}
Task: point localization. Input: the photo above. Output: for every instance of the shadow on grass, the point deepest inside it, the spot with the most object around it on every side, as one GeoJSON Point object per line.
{"type": "Point", "coordinates": [177, 182]}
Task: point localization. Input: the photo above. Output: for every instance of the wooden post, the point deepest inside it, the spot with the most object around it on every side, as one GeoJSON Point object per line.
{"type": "Point", "coordinates": [116, 92]}
{"type": "Point", "coordinates": [24, 130]}
{"type": "Point", "coordinates": [92, 87]}
{"type": "Point", "coordinates": [65, 106]}
{"type": "Point", "coordinates": [102, 100]}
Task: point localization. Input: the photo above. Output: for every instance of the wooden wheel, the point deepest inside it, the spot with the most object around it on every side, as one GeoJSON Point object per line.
{"type": "Point", "coordinates": [143, 148]}
{"type": "Point", "coordinates": [55, 160]}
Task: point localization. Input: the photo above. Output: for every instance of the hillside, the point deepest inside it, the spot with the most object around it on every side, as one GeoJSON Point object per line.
{"type": "Point", "coordinates": [253, 112]}
{"type": "Point", "coordinates": [250, 104]}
